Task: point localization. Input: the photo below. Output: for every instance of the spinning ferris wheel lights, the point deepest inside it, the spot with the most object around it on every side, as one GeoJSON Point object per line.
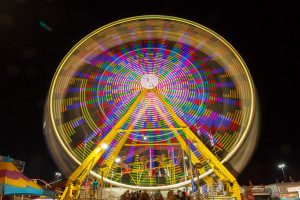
{"type": "Point", "coordinates": [153, 89]}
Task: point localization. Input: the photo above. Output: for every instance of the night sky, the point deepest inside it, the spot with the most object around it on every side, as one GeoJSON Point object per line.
{"type": "Point", "coordinates": [35, 36]}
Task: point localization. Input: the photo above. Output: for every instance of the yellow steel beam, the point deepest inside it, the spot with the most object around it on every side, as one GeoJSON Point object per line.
{"type": "Point", "coordinates": [112, 156]}
{"type": "Point", "coordinates": [75, 180]}
{"type": "Point", "coordinates": [213, 162]}
{"type": "Point", "coordinates": [179, 138]}
{"type": "Point", "coordinates": [73, 185]}
{"type": "Point", "coordinates": [114, 152]}
{"type": "Point", "coordinates": [220, 170]}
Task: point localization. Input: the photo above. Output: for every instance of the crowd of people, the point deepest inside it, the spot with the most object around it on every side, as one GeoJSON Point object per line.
{"type": "Point", "coordinates": [157, 195]}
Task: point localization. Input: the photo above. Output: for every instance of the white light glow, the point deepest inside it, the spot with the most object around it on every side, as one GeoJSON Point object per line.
{"type": "Point", "coordinates": [104, 146]}
{"type": "Point", "coordinates": [149, 81]}
{"type": "Point", "coordinates": [281, 165]}
{"type": "Point", "coordinates": [118, 160]}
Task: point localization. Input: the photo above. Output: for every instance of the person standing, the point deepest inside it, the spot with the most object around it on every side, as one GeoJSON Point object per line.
{"type": "Point", "coordinates": [170, 195]}
{"type": "Point", "coordinates": [95, 187]}
{"type": "Point", "coordinates": [158, 195]}
{"type": "Point", "coordinates": [183, 196]}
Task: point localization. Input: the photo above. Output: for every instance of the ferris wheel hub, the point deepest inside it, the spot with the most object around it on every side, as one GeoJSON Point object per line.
{"type": "Point", "coordinates": [149, 81]}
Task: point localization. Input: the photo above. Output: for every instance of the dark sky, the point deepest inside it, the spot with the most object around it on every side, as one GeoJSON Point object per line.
{"type": "Point", "coordinates": [265, 34]}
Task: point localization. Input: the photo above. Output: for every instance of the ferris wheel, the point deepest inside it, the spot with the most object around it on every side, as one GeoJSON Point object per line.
{"type": "Point", "coordinates": [143, 100]}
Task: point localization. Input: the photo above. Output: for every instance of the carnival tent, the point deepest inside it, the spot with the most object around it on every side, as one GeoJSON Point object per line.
{"type": "Point", "coordinates": [13, 182]}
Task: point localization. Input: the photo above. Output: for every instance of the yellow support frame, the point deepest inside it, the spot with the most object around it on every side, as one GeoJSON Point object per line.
{"type": "Point", "coordinates": [75, 180]}
{"type": "Point", "coordinates": [72, 189]}
{"type": "Point", "coordinates": [182, 142]}
{"type": "Point", "coordinates": [219, 169]}
{"type": "Point", "coordinates": [114, 152]}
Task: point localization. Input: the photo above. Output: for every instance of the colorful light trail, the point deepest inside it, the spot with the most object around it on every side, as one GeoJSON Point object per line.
{"type": "Point", "coordinates": [200, 76]}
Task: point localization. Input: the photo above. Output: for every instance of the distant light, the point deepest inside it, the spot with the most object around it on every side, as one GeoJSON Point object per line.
{"type": "Point", "coordinates": [118, 160]}
{"type": "Point", "coordinates": [185, 158]}
{"type": "Point", "coordinates": [282, 165]}
{"type": "Point", "coordinates": [145, 137]}
{"type": "Point", "coordinates": [104, 146]}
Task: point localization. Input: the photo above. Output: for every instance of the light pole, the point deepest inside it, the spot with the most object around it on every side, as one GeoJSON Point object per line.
{"type": "Point", "coordinates": [282, 165]}
{"type": "Point", "coordinates": [57, 175]}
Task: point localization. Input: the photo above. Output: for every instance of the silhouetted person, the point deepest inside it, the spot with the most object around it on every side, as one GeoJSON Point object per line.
{"type": "Point", "coordinates": [170, 195]}
{"type": "Point", "coordinates": [145, 195]}
{"type": "Point", "coordinates": [158, 195]}
{"type": "Point", "coordinates": [183, 196]}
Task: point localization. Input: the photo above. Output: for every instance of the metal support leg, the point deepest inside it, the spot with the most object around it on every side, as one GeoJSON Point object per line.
{"type": "Point", "coordinates": [114, 152]}
{"type": "Point", "coordinates": [73, 185]}
{"type": "Point", "coordinates": [184, 146]}
{"type": "Point", "coordinates": [213, 162]}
